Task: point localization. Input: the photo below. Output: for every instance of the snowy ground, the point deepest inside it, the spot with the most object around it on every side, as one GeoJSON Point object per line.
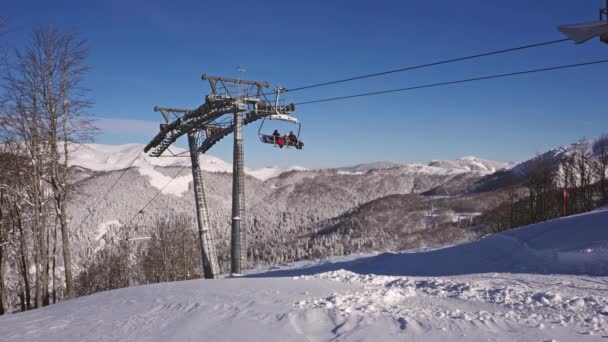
{"type": "Point", "coordinates": [492, 289]}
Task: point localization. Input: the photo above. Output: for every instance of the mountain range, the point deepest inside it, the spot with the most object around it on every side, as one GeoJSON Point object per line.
{"type": "Point", "coordinates": [291, 213]}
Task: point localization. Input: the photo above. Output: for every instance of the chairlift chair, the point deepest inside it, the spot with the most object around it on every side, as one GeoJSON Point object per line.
{"type": "Point", "coordinates": [285, 140]}
{"type": "Point", "coordinates": [281, 115]}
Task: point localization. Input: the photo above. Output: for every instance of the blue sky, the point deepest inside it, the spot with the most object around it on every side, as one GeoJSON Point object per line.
{"type": "Point", "coordinates": [148, 53]}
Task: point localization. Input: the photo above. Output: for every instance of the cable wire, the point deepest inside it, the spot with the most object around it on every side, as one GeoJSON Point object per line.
{"type": "Point", "coordinates": [90, 210]}
{"type": "Point", "coordinates": [524, 47]}
{"type": "Point", "coordinates": [140, 211]}
{"type": "Point", "coordinates": [455, 82]}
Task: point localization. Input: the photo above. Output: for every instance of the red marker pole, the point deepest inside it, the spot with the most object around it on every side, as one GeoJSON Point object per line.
{"type": "Point", "coordinates": [565, 193]}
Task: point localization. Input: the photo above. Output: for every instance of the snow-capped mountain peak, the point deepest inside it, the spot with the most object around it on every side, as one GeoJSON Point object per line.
{"type": "Point", "coordinates": [99, 157]}
{"type": "Point", "coordinates": [471, 163]}
{"type": "Point", "coordinates": [272, 171]}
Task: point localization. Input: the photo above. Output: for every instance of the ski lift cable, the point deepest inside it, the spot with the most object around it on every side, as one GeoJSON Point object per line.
{"type": "Point", "coordinates": [140, 211]}
{"type": "Point", "coordinates": [91, 209]}
{"type": "Point", "coordinates": [447, 61]}
{"type": "Point", "coordinates": [511, 74]}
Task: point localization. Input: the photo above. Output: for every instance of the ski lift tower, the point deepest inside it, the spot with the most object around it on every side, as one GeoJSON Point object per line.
{"type": "Point", "coordinates": [232, 104]}
{"type": "Point", "coordinates": [581, 33]}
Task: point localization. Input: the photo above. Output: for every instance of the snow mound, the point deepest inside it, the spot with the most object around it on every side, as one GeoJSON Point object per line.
{"type": "Point", "coordinates": [519, 300]}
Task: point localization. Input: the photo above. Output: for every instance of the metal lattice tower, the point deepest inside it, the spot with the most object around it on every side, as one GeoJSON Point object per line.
{"type": "Point", "coordinates": [232, 104]}
{"type": "Point", "coordinates": [205, 232]}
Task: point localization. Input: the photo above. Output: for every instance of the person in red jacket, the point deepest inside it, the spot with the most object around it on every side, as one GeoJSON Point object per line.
{"type": "Point", "coordinates": [278, 140]}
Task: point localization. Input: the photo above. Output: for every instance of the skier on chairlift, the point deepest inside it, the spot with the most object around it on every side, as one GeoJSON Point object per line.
{"type": "Point", "coordinates": [293, 139]}
{"type": "Point", "coordinates": [278, 140]}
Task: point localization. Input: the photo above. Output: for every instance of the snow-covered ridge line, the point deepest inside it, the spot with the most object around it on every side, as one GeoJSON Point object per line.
{"type": "Point", "coordinates": [272, 171]}
{"type": "Point", "coordinates": [105, 158]}
{"type": "Point", "coordinates": [435, 167]}
{"type": "Point", "coordinates": [98, 157]}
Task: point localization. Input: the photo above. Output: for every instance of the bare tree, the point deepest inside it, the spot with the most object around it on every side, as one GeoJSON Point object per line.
{"type": "Point", "coordinates": [108, 270]}
{"type": "Point", "coordinates": [569, 181]}
{"type": "Point", "coordinates": [22, 120]}
{"type": "Point", "coordinates": [44, 105]}
{"type": "Point", "coordinates": [3, 244]}
{"type": "Point", "coordinates": [14, 182]}
{"type": "Point", "coordinates": [583, 170]}
{"type": "Point", "coordinates": [63, 58]}
{"type": "Point", "coordinates": [170, 253]}
{"type": "Point", "coordinates": [600, 152]}
{"type": "Point", "coordinates": [539, 179]}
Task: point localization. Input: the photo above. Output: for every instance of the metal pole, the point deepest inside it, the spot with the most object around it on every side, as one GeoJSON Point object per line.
{"type": "Point", "coordinates": [238, 250]}
{"type": "Point", "coordinates": [205, 232]}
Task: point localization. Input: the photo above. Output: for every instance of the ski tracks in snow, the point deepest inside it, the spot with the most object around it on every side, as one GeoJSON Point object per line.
{"type": "Point", "coordinates": [489, 301]}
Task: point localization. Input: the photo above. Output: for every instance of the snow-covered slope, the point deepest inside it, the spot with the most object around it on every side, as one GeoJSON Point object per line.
{"type": "Point", "coordinates": [98, 157]}
{"type": "Point", "coordinates": [272, 171]}
{"type": "Point", "coordinates": [472, 164]}
{"type": "Point", "coordinates": [367, 166]}
{"type": "Point", "coordinates": [572, 245]}
{"type": "Point", "coordinates": [464, 164]}
{"type": "Point", "coordinates": [370, 298]}
{"type": "Point", "coordinates": [555, 155]}
{"type": "Point", "coordinates": [283, 204]}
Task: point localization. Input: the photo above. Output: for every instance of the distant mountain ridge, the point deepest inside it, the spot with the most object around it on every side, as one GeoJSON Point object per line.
{"type": "Point", "coordinates": [472, 164]}
{"type": "Point", "coordinates": [282, 203]}
{"type": "Point", "coordinates": [99, 157]}
{"type": "Point", "coordinates": [292, 213]}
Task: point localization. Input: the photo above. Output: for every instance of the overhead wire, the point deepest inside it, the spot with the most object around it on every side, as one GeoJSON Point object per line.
{"type": "Point", "coordinates": [511, 74]}
{"type": "Point", "coordinates": [426, 65]}
{"type": "Point", "coordinates": [140, 211]}
{"type": "Point", "coordinates": [92, 209]}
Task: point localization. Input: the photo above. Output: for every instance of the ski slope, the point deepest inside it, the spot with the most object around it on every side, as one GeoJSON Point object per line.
{"type": "Point", "coordinates": [545, 282]}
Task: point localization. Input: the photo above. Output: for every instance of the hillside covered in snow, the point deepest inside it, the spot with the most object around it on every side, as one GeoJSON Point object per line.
{"type": "Point", "coordinates": [545, 282]}
{"type": "Point", "coordinates": [291, 213]}
{"type": "Point", "coordinates": [105, 158]}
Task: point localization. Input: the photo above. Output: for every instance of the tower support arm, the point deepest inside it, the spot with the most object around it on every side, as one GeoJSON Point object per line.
{"type": "Point", "coordinates": [214, 79]}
